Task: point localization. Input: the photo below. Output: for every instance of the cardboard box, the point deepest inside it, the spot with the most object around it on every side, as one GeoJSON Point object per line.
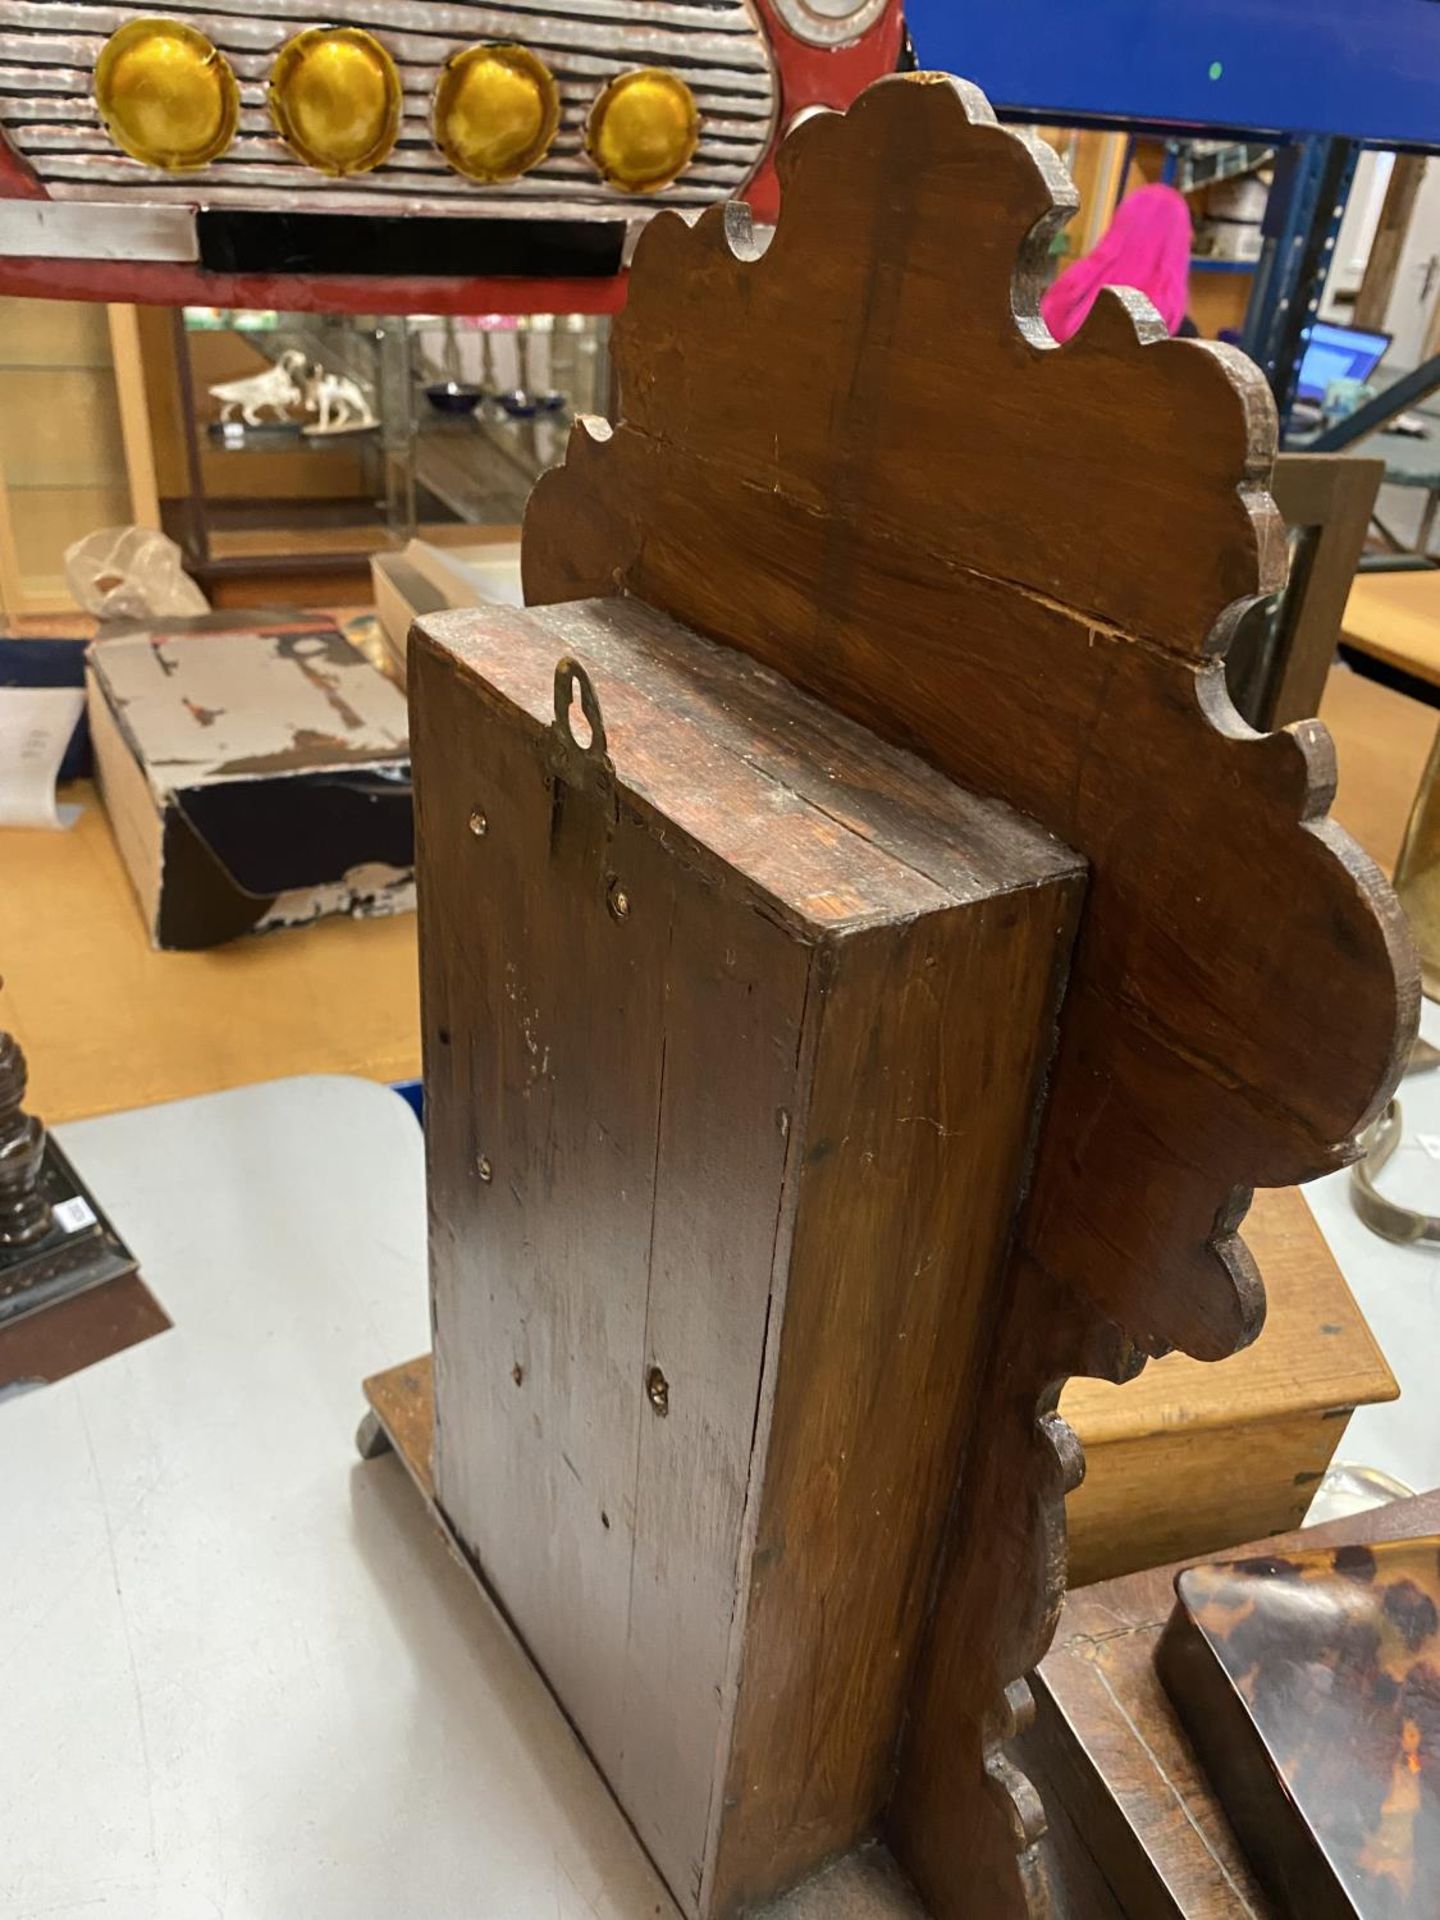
{"type": "Point", "coordinates": [426, 577]}
{"type": "Point", "coordinates": [1244, 197]}
{"type": "Point", "coordinates": [402, 594]}
{"type": "Point", "coordinates": [253, 779]}
{"type": "Point", "coordinates": [1224, 239]}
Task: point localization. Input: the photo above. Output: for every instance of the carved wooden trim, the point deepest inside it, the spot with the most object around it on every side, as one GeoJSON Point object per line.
{"type": "Point", "coordinates": [859, 457]}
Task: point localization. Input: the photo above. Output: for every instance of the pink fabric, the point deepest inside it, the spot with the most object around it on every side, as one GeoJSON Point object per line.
{"type": "Point", "coordinates": [1147, 246]}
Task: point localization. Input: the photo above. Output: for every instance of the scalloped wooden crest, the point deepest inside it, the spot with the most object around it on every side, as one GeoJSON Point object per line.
{"type": "Point", "coordinates": [858, 456]}
{"type": "Point", "coordinates": [1024, 561]}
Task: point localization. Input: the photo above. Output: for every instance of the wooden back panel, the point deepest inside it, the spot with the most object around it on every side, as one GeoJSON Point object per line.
{"type": "Point", "coordinates": [1282, 653]}
{"type": "Point", "coordinates": [858, 456]}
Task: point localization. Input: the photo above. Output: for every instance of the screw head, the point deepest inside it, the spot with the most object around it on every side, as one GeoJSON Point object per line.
{"type": "Point", "coordinates": [479, 825]}
{"type": "Point", "coordinates": [618, 901]}
{"type": "Point", "coordinates": [657, 1388]}
{"type": "Point", "coordinates": [484, 1168]}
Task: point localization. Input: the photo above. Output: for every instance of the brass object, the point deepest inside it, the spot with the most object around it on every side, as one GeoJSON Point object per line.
{"type": "Point", "coordinates": [495, 112]}
{"type": "Point", "coordinates": [167, 97]}
{"type": "Point", "coordinates": [722, 39]}
{"type": "Point", "coordinates": [1417, 871]}
{"type": "Point", "coordinates": [643, 130]}
{"type": "Point", "coordinates": [335, 99]}
{"type": "Point", "coordinates": [1402, 1225]}
{"type": "Point", "coordinates": [1387, 1217]}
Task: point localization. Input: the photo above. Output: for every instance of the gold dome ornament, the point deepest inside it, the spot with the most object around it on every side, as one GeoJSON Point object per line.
{"type": "Point", "coordinates": [495, 111]}
{"type": "Point", "coordinates": [335, 99]}
{"type": "Point", "coordinates": [166, 95]}
{"type": "Point", "coordinates": [643, 130]}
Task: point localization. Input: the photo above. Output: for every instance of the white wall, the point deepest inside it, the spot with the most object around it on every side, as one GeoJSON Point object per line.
{"type": "Point", "coordinates": [1417, 280]}
{"type": "Point", "coordinates": [1357, 232]}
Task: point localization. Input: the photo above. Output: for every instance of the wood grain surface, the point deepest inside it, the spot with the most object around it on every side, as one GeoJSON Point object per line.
{"type": "Point", "coordinates": [403, 1398]}
{"type": "Point", "coordinates": [857, 456]}
{"type": "Point", "coordinates": [1136, 1831]}
{"type": "Point", "coordinates": [1280, 658]}
{"type": "Point", "coordinates": [1396, 617]}
{"type": "Point", "coordinates": [863, 1885]}
{"type": "Point", "coordinates": [753, 1145]}
{"type": "Point", "coordinates": [107, 1023]}
{"type": "Point", "coordinates": [1194, 1456]}
{"type": "Point", "coordinates": [1372, 301]}
{"type": "Point", "coordinates": [822, 512]}
{"type": "Point", "coordinates": [75, 1333]}
{"type": "Point", "coordinates": [1382, 741]}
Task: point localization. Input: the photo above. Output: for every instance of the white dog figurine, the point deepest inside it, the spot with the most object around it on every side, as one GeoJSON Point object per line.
{"type": "Point", "coordinates": [341, 405]}
{"type": "Point", "coordinates": [274, 388]}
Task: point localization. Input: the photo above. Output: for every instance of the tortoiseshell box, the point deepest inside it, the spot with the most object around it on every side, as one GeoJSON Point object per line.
{"type": "Point", "coordinates": [1309, 1684]}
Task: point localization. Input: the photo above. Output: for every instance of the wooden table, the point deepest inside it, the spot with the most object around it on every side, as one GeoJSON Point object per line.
{"type": "Point", "coordinates": [108, 1023]}
{"type": "Point", "coordinates": [1395, 617]}
{"type": "Point", "coordinates": [1382, 740]}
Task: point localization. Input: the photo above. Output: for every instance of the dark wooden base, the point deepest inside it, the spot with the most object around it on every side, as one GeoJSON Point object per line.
{"type": "Point", "coordinates": [69, 1335]}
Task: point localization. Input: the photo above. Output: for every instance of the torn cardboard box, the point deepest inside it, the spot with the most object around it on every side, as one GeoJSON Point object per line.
{"type": "Point", "coordinates": [253, 779]}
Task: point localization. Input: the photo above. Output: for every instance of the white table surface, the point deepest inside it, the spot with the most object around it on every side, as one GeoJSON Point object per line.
{"type": "Point", "coordinates": [1398, 1291]}
{"type": "Point", "coordinates": [242, 1678]}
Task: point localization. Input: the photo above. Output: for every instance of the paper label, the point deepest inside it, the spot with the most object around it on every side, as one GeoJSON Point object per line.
{"type": "Point", "coordinates": [74, 1215]}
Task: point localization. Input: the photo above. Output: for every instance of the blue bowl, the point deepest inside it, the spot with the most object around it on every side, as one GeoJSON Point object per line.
{"type": "Point", "coordinates": [454, 396]}
{"type": "Point", "coordinates": [521, 405]}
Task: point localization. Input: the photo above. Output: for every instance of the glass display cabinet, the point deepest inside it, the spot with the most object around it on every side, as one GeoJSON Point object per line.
{"type": "Point", "coordinates": [293, 443]}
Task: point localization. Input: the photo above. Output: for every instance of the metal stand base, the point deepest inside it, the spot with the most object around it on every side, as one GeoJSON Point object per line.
{"type": "Point", "coordinates": [81, 1250]}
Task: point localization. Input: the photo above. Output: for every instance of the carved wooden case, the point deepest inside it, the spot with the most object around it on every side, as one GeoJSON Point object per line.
{"type": "Point", "coordinates": [730, 1086]}
{"type": "Point", "coordinates": [749, 1420]}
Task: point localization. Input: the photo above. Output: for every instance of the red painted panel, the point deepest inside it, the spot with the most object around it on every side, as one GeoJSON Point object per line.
{"type": "Point", "coordinates": [153, 284]}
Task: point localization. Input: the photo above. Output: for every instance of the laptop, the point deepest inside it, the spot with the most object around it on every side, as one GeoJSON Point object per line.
{"type": "Point", "coordinates": [1338, 353]}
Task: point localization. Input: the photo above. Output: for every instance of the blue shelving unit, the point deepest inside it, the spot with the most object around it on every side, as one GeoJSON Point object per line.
{"type": "Point", "coordinates": [1290, 67]}
{"type": "Point", "coordinates": [1318, 78]}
